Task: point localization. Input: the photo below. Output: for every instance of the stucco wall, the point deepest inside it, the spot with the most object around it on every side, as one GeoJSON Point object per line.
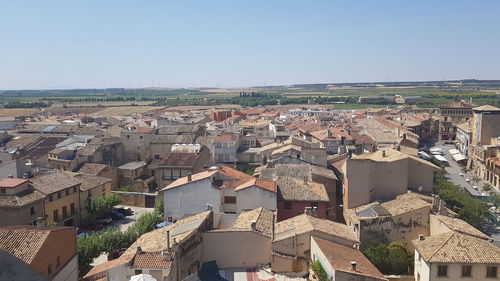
{"type": "Point", "coordinates": [20, 216]}
{"type": "Point", "coordinates": [236, 249]}
{"type": "Point", "coordinates": [191, 199]}
{"type": "Point", "coordinates": [255, 197]}
{"type": "Point", "coordinates": [402, 228]}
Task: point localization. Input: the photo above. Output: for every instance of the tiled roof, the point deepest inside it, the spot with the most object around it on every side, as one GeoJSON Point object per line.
{"type": "Point", "coordinates": [264, 184]}
{"type": "Point", "coordinates": [454, 247]}
{"type": "Point", "coordinates": [461, 226]}
{"type": "Point", "coordinates": [304, 223]}
{"type": "Point", "coordinates": [262, 217]}
{"type": "Point", "coordinates": [178, 129]}
{"type": "Point", "coordinates": [88, 181]}
{"type": "Point", "coordinates": [22, 198]}
{"type": "Point", "coordinates": [226, 138]}
{"type": "Point", "coordinates": [391, 155]}
{"type": "Point", "coordinates": [458, 104]}
{"type": "Point", "coordinates": [24, 242]}
{"type": "Point", "coordinates": [291, 189]}
{"type": "Point", "coordinates": [173, 139]}
{"type": "Point", "coordinates": [179, 159]}
{"type": "Point", "coordinates": [54, 182]}
{"type": "Point", "coordinates": [486, 108]}
{"type": "Point", "coordinates": [299, 171]}
{"type": "Point", "coordinates": [92, 169]}
{"type": "Point", "coordinates": [11, 182]}
{"type": "Point", "coordinates": [194, 177]}
{"type": "Point", "coordinates": [340, 258]}
{"type": "Point", "coordinates": [404, 203]}
{"type": "Point", "coordinates": [155, 260]}
{"type": "Point", "coordinates": [233, 173]}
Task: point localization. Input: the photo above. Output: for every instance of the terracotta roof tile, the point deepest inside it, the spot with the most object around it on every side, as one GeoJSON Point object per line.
{"type": "Point", "coordinates": [340, 258]}
{"type": "Point", "coordinates": [153, 260]}
{"type": "Point", "coordinates": [11, 182]}
{"type": "Point", "coordinates": [454, 247]}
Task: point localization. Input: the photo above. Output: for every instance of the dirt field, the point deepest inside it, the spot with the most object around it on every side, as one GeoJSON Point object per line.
{"type": "Point", "coordinates": [17, 111]}
{"type": "Point", "coordinates": [202, 107]}
{"type": "Point", "coordinates": [103, 103]}
{"type": "Point", "coordinates": [127, 110]}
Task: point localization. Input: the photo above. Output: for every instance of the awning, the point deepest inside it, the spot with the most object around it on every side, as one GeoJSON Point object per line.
{"type": "Point", "coordinates": [440, 158]}
{"type": "Point", "coordinates": [454, 151]}
{"type": "Point", "coordinates": [458, 157]}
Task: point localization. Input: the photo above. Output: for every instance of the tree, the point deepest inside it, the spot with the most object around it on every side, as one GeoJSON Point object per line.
{"type": "Point", "coordinates": [102, 205]}
{"type": "Point", "coordinates": [159, 207]}
{"type": "Point", "coordinates": [390, 259]}
{"type": "Point", "coordinates": [475, 179]}
{"type": "Point", "coordinates": [400, 259]}
{"type": "Point", "coordinates": [378, 254]}
{"type": "Point", "coordinates": [319, 271]}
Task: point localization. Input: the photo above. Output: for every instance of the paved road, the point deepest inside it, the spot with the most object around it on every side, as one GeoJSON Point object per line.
{"type": "Point", "coordinates": [454, 171]}
{"type": "Point", "coordinates": [123, 224]}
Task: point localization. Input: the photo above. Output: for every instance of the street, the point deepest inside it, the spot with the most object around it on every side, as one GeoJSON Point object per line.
{"type": "Point", "coordinates": [454, 171]}
{"type": "Point", "coordinates": [123, 224]}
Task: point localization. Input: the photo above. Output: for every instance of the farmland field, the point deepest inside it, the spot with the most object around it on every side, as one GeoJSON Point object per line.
{"type": "Point", "coordinates": [17, 111]}
{"type": "Point", "coordinates": [126, 110]}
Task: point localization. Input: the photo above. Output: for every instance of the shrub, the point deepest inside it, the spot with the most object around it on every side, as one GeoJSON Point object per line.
{"type": "Point", "coordinates": [319, 271]}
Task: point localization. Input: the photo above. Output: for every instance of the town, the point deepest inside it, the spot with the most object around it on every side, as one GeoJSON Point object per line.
{"type": "Point", "coordinates": [307, 192]}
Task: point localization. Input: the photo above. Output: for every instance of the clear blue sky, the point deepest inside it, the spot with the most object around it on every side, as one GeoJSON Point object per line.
{"type": "Point", "coordinates": [106, 43]}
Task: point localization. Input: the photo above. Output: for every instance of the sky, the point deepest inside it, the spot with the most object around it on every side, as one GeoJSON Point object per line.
{"type": "Point", "coordinates": [102, 44]}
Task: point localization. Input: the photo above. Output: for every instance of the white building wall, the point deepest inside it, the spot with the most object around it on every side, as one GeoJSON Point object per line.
{"type": "Point", "coordinates": [255, 197]}
{"type": "Point", "coordinates": [69, 272]}
{"type": "Point", "coordinates": [191, 199]}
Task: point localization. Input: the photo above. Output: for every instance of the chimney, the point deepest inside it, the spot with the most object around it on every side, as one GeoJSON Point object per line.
{"type": "Point", "coordinates": [353, 265]}
{"type": "Point", "coordinates": [421, 237]}
{"type": "Point", "coordinates": [189, 178]}
{"type": "Point", "coordinates": [139, 249]}
{"type": "Point", "coordinates": [253, 224]}
{"type": "Point", "coordinates": [168, 240]}
{"type": "Point", "coordinates": [383, 153]}
{"type": "Point", "coordinates": [398, 148]}
{"type": "Point", "coordinates": [10, 176]}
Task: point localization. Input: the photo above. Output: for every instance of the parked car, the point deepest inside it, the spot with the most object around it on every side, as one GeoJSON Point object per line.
{"type": "Point", "coordinates": [94, 227]}
{"type": "Point", "coordinates": [125, 211]}
{"type": "Point", "coordinates": [103, 220]}
{"type": "Point", "coordinates": [116, 215]}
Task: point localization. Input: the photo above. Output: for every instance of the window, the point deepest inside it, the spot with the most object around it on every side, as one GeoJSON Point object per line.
{"type": "Point", "coordinates": [229, 199]}
{"type": "Point", "coordinates": [288, 205]}
{"type": "Point", "coordinates": [58, 261]}
{"type": "Point", "coordinates": [49, 269]}
{"type": "Point", "coordinates": [74, 189]}
{"type": "Point", "coordinates": [466, 271]}
{"type": "Point", "coordinates": [157, 156]}
{"type": "Point", "coordinates": [169, 219]}
{"type": "Point", "coordinates": [491, 271]}
{"type": "Point", "coordinates": [141, 137]}
{"type": "Point", "coordinates": [59, 195]}
{"type": "Point", "coordinates": [89, 194]}
{"type": "Point", "coordinates": [32, 210]}
{"type": "Point", "coordinates": [138, 271]}
{"type": "Point", "coordinates": [128, 136]}
{"type": "Point", "coordinates": [3, 191]}
{"type": "Point", "coordinates": [67, 192]}
{"type": "Point", "coordinates": [64, 212]}
{"type": "Point", "coordinates": [442, 271]}
{"type": "Point", "coordinates": [72, 208]}
{"type": "Point", "coordinates": [55, 215]}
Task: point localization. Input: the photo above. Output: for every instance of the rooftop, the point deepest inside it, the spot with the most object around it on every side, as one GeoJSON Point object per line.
{"type": "Point", "coordinates": [54, 182]}
{"type": "Point", "coordinates": [132, 165]}
{"type": "Point", "coordinates": [460, 226]}
{"type": "Point", "coordinates": [92, 169]}
{"type": "Point", "coordinates": [454, 247]}
{"type": "Point", "coordinates": [305, 223]}
{"type": "Point", "coordinates": [340, 258]}
{"type": "Point", "coordinates": [291, 189]}
{"type": "Point", "coordinates": [24, 242]}
{"type": "Point", "coordinates": [180, 159]}
{"type": "Point", "coordinates": [11, 182]}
